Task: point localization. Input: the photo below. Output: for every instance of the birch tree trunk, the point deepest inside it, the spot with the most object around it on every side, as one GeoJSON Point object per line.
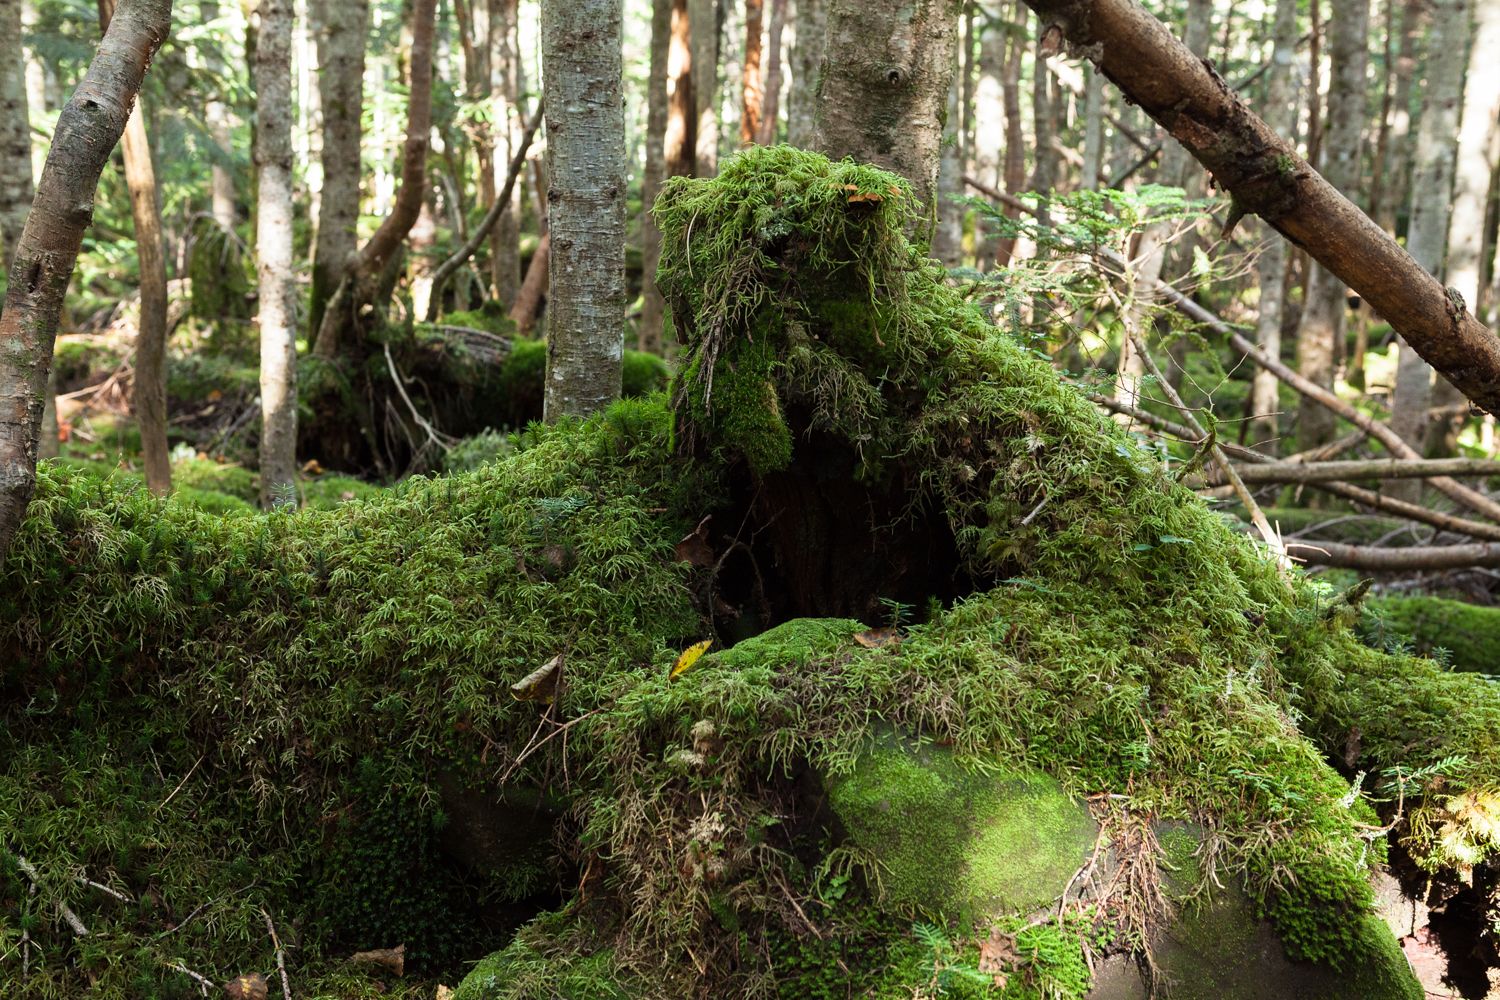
{"type": "Point", "coordinates": [1320, 334]}
{"type": "Point", "coordinates": [1271, 267]}
{"type": "Point", "coordinates": [273, 250]}
{"type": "Point", "coordinates": [750, 74]}
{"type": "Point", "coordinates": [680, 140]}
{"type": "Point", "coordinates": [884, 89]}
{"type": "Point", "coordinates": [149, 385]}
{"type": "Point", "coordinates": [1427, 233]}
{"type": "Point", "coordinates": [703, 28]}
{"type": "Point", "coordinates": [507, 87]}
{"type": "Point", "coordinates": [15, 133]}
{"type": "Point", "coordinates": [341, 60]}
{"type": "Point", "coordinates": [583, 91]}
{"type": "Point", "coordinates": [948, 237]}
{"type": "Point", "coordinates": [770, 100]}
{"type": "Point", "coordinates": [807, 59]}
{"type": "Point", "coordinates": [87, 130]}
{"type": "Point", "coordinates": [657, 111]}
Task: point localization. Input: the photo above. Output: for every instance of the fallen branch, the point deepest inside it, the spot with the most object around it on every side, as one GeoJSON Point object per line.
{"type": "Point", "coordinates": [1422, 557]}
{"type": "Point", "coordinates": [1411, 511]}
{"type": "Point", "coordinates": [203, 982]}
{"type": "Point", "coordinates": [184, 781]}
{"type": "Point", "coordinates": [477, 238]}
{"type": "Point", "coordinates": [201, 908]}
{"type": "Point", "coordinates": [436, 437]}
{"type": "Point", "coordinates": [1383, 468]}
{"type": "Point", "coordinates": [62, 908]}
{"type": "Point", "coordinates": [286, 983]}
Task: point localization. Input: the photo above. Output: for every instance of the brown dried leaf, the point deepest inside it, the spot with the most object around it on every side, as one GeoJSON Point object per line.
{"type": "Point", "coordinates": [390, 958]}
{"type": "Point", "coordinates": [247, 987]}
{"type": "Point", "coordinates": [444, 993]}
{"type": "Point", "coordinates": [694, 549]}
{"type": "Point", "coordinates": [874, 638]}
{"type": "Point", "coordinates": [539, 685]}
{"type": "Point", "coordinates": [998, 955]}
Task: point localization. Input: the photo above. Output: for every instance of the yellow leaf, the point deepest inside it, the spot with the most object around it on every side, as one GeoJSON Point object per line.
{"type": "Point", "coordinates": [876, 637]}
{"type": "Point", "coordinates": [689, 657]}
{"type": "Point", "coordinates": [541, 684]}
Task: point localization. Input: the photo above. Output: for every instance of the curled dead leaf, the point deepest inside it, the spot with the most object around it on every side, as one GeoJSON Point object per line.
{"type": "Point", "coordinates": [998, 955]}
{"type": "Point", "coordinates": [444, 993]}
{"type": "Point", "coordinates": [251, 986]}
{"type": "Point", "coordinates": [541, 684]}
{"type": "Point", "coordinates": [694, 549]}
{"type": "Point", "coordinates": [388, 958]}
{"type": "Point", "coordinates": [874, 638]}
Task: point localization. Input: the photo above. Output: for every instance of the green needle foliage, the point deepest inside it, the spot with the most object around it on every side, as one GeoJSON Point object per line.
{"type": "Point", "coordinates": [263, 711]}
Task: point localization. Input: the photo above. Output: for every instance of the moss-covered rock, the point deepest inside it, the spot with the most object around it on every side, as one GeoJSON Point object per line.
{"type": "Point", "coordinates": [1470, 633]}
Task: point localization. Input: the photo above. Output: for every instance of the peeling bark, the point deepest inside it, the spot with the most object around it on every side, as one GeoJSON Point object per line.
{"type": "Point", "coordinates": [585, 108]}
{"type": "Point", "coordinates": [884, 89]}
{"type": "Point", "coordinates": [90, 125]}
{"type": "Point", "coordinates": [1267, 178]}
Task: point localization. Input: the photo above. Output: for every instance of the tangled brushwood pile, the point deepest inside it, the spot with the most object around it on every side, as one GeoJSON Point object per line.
{"type": "Point", "coordinates": [312, 714]}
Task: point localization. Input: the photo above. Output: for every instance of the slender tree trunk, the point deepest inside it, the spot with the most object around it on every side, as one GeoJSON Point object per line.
{"type": "Point", "coordinates": [582, 62]}
{"type": "Point", "coordinates": [1356, 366]}
{"type": "Point", "coordinates": [529, 300]}
{"type": "Point", "coordinates": [87, 130]}
{"type": "Point", "coordinates": [376, 253]}
{"type": "Point", "coordinates": [886, 76]}
{"type": "Point", "coordinates": [1427, 233]}
{"type": "Point", "coordinates": [273, 250]}
{"type": "Point", "coordinates": [948, 238]}
{"type": "Point", "coordinates": [48, 445]}
{"type": "Point", "coordinates": [149, 385]}
{"type": "Point", "coordinates": [221, 179]}
{"type": "Point", "coordinates": [680, 141]}
{"type": "Point", "coordinates": [1015, 135]}
{"type": "Point", "coordinates": [1395, 173]}
{"type": "Point", "coordinates": [15, 133]}
{"type": "Point", "coordinates": [771, 87]}
{"type": "Point", "coordinates": [505, 65]}
{"type": "Point", "coordinates": [1315, 84]}
{"type": "Point", "coordinates": [703, 28]}
{"type": "Point", "coordinates": [657, 112]}
{"type": "Point", "coordinates": [1271, 268]}
{"type": "Point", "coordinates": [807, 60]}
{"type": "Point", "coordinates": [750, 82]}
{"type": "Point", "coordinates": [1044, 126]}
{"type": "Point", "coordinates": [1093, 131]}
{"type": "Point", "coordinates": [1320, 334]}
{"type": "Point", "coordinates": [986, 153]}
{"type": "Point", "coordinates": [420, 265]}
{"type": "Point", "coordinates": [966, 90]}
{"type": "Point", "coordinates": [341, 60]}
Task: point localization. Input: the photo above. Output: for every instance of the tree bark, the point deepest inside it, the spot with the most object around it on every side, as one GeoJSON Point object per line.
{"type": "Point", "coordinates": [1266, 177]}
{"type": "Point", "coordinates": [273, 251]}
{"type": "Point", "coordinates": [703, 29]}
{"type": "Point", "coordinates": [770, 100]}
{"type": "Point", "coordinates": [1427, 234]}
{"type": "Point", "coordinates": [886, 75]}
{"type": "Point", "coordinates": [658, 111]}
{"type": "Point", "coordinates": [1321, 331]}
{"type": "Point", "coordinates": [1015, 135]}
{"type": "Point", "coordinates": [582, 62]}
{"type": "Point", "coordinates": [680, 139]}
{"type": "Point", "coordinates": [15, 133]}
{"type": "Point", "coordinates": [1393, 176]}
{"type": "Point", "coordinates": [87, 130]}
{"type": "Point", "coordinates": [1373, 560]}
{"type": "Point", "coordinates": [750, 74]}
{"type": "Point", "coordinates": [420, 266]}
{"type": "Point", "coordinates": [216, 115]}
{"type": "Point", "coordinates": [529, 299]}
{"type": "Point", "coordinates": [807, 59]}
{"type": "Point", "coordinates": [505, 65]}
{"type": "Point", "coordinates": [373, 257]}
{"type": "Point", "coordinates": [1385, 468]}
{"type": "Point", "coordinates": [341, 61]}
{"type": "Point", "coordinates": [1473, 167]}
{"type": "Point", "coordinates": [948, 237]}
{"type": "Point", "coordinates": [1043, 126]}
{"type": "Point", "coordinates": [1271, 267]}
{"type": "Point", "coordinates": [1093, 132]}
{"type": "Point", "coordinates": [149, 385]}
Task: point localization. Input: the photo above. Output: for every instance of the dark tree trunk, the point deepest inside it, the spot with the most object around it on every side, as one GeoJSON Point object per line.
{"type": "Point", "coordinates": [341, 62]}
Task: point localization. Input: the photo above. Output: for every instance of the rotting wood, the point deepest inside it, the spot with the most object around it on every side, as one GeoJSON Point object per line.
{"type": "Point", "coordinates": [1266, 177]}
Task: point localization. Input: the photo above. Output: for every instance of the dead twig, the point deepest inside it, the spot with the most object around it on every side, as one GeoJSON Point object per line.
{"type": "Point", "coordinates": [203, 981]}
{"type": "Point", "coordinates": [201, 908]}
{"type": "Point", "coordinates": [62, 908]}
{"type": "Point", "coordinates": [184, 781]}
{"type": "Point", "coordinates": [286, 983]}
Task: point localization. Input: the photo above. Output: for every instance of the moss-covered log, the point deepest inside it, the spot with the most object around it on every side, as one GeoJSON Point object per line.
{"type": "Point", "coordinates": [312, 711]}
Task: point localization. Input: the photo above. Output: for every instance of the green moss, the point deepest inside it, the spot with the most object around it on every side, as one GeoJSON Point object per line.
{"type": "Point", "coordinates": [1470, 633]}
{"type": "Point", "coordinates": [213, 501]}
{"type": "Point", "coordinates": [795, 641]}
{"type": "Point", "coordinates": [957, 843]}
{"type": "Point", "coordinates": [535, 968]}
{"type": "Point", "coordinates": [207, 476]}
{"type": "Point", "coordinates": [490, 317]}
{"type": "Point", "coordinates": [328, 491]}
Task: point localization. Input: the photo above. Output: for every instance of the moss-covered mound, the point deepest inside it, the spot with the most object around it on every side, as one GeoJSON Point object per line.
{"type": "Point", "coordinates": [1470, 634]}
{"type": "Point", "coordinates": [311, 712]}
